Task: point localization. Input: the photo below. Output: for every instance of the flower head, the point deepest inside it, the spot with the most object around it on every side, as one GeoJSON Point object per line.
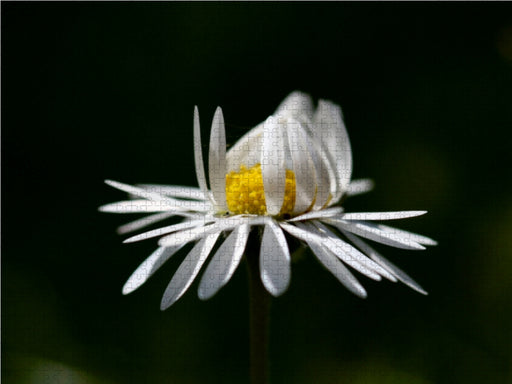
{"type": "Point", "coordinates": [287, 175]}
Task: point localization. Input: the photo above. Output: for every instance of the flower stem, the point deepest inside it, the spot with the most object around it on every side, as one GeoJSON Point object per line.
{"type": "Point", "coordinates": [259, 312]}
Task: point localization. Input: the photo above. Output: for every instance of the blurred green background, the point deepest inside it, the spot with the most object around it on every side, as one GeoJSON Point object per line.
{"type": "Point", "coordinates": [93, 91]}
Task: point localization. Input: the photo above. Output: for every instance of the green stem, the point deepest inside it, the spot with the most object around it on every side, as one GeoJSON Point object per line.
{"type": "Point", "coordinates": [259, 312]}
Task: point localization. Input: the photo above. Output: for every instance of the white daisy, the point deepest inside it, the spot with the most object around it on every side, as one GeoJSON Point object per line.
{"type": "Point", "coordinates": [287, 175]}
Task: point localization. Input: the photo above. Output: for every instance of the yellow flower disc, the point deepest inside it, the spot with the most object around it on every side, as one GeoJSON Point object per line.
{"type": "Point", "coordinates": [245, 193]}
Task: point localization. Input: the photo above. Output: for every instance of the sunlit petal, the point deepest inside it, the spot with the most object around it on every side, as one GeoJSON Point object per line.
{"type": "Point", "coordinates": [273, 165]}
{"type": "Point", "coordinates": [330, 129]}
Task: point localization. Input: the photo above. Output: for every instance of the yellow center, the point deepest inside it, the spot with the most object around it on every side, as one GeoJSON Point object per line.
{"type": "Point", "coordinates": [245, 194]}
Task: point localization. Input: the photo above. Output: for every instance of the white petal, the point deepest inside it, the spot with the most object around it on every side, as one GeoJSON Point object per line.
{"type": "Point", "coordinates": [217, 161]}
{"type": "Point", "coordinates": [296, 105]}
{"type": "Point", "coordinates": [224, 262]}
{"type": "Point", "coordinates": [188, 270]}
{"type": "Point", "coordinates": [341, 249]}
{"type": "Point", "coordinates": [350, 255]}
{"type": "Point", "coordinates": [409, 235]}
{"type": "Point", "coordinates": [176, 191]}
{"type": "Point", "coordinates": [273, 168]}
{"type": "Point", "coordinates": [189, 235]}
{"type": "Point", "coordinates": [330, 128]}
{"type": "Point", "coordinates": [325, 178]}
{"type": "Point", "coordinates": [153, 196]}
{"type": "Point", "coordinates": [148, 267]}
{"type": "Point", "coordinates": [336, 267]}
{"type": "Point", "coordinates": [246, 151]}
{"type": "Point", "coordinates": [375, 256]}
{"type": "Point", "coordinates": [357, 187]}
{"type": "Point", "coordinates": [133, 206]}
{"type": "Point", "coordinates": [169, 229]}
{"type": "Point", "coordinates": [198, 155]}
{"type": "Point", "coordinates": [322, 214]}
{"type": "Point", "coordinates": [381, 215]}
{"type": "Point", "coordinates": [372, 232]}
{"type": "Point", "coordinates": [274, 260]}
{"type": "Point", "coordinates": [302, 166]}
{"type": "Point", "coordinates": [144, 222]}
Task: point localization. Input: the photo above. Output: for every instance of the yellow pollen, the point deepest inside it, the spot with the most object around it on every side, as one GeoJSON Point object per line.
{"type": "Point", "coordinates": [245, 194]}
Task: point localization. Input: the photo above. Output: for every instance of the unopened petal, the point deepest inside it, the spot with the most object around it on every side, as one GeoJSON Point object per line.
{"type": "Point", "coordinates": [297, 105]}
{"type": "Point", "coordinates": [273, 168]}
{"type": "Point", "coordinates": [302, 166]}
{"type": "Point", "coordinates": [330, 129]}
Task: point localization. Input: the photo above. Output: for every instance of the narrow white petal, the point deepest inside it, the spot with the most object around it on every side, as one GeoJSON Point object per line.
{"type": "Point", "coordinates": [148, 267]}
{"type": "Point", "coordinates": [381, 215]}
{"type": "Point", "coordinates": [198, 155]}
{"type": "Point", "coordinates": [342, 250]}
{"type": "Point", "coordinates": [188, 270]}
{"type": "Point", "coordinates": [217, 161]}
{"type": "Point", "coordinates": [350, 255]}
{"type": "Point", "coordinates": [330, 128]}
{"type": "Point", "coordinates": [189, 235]}
{"type": "Point", "coordinates": [322, 214]}
{"type": "Point", "coordinates": [325, 178]}
{"type": "Point", "coordinates": [297, 105]}
{"type": "Point", "coordinates": [140, 192]}
{"type": "Point", "coordinates": [273, 168]}
{"type": "Point", "coordinates": [375, 256]}
{"type": "Point", "coordinates": [176, 191]}
{"type": "Point", "coordinates": [169, 229]}
{"type": "Point", "coordinates": [372, 232]}
{"type": "Point", "coordinates": [274, 260]}
{"type": "Point", "coordinates": [144, 222]}
{"type": "Point", "coordinates": [357, 187]}
{"type": "Point", "coordinates": [336, 267]}
{"type": "Point", "coordinates": [424, 240]}
{"type": "Point", "coordinates": [133, 206]}
{"type": "Point", "coordinates": [302, 166]}
{"type": "Point", "coordinates": [224, 263]}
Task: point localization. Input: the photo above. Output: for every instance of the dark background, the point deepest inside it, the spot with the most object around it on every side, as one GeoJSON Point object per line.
{"type": "Point", "coordinates": [93, 91]}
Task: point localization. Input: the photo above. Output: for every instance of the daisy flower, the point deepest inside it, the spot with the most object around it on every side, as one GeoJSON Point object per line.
{"type": "Point", "coordinates": [288, 175]}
